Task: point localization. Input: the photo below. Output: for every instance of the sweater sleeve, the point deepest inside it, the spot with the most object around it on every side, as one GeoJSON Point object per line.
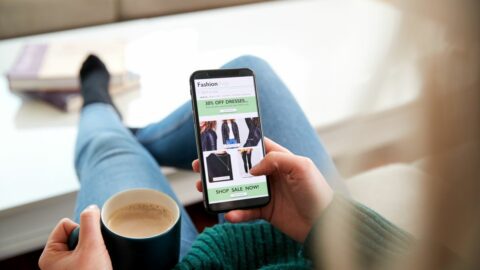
{"type": "Point", "coordinates": [369, 237]}
{"type": "Point", "coordinates": [255, 245]}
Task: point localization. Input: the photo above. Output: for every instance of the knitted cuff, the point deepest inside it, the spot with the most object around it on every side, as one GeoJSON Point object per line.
{"type": "Point", "coordinates": [347, 228]}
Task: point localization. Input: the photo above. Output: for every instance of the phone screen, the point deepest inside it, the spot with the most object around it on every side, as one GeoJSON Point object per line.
{"type": "Point", "coordinates": [230, 137]}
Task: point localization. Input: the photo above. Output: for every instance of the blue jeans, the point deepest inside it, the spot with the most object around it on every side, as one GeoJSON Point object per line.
{"type": "Point", "coordinates": [109, 159]}
{"type": "Point", "coordinates": [231, 141]}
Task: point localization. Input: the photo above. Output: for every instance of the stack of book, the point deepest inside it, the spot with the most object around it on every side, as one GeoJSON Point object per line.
{"type": "Point", "coordinates": [50, 72]}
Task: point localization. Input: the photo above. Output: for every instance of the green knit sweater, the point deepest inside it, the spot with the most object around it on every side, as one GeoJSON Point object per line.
{"type": "Point", "coordinates": [261, 246]}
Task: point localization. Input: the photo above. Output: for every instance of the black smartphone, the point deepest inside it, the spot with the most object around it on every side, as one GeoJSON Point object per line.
{"type": "Point", "coordinates": [229, 137]}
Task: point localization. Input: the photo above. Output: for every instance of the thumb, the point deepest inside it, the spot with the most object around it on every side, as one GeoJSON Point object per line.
{"type": "Point", "coordinates": [275, 162]}
{"type": "Point", "coordinates": [90, 234]}
{"type": "Point", "coordinates": [270, 146]}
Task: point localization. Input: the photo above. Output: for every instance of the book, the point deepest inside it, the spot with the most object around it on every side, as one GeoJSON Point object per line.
{"type": "Point", "coordinates": [70, 100]}
{"type": "Point", "coordinates": [56, 66]}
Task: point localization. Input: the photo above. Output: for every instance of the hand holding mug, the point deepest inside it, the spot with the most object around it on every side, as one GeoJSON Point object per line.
{"type": "Point", "coordinates": [90, 252]}
{"type": "Point", "coordinates": [140, 228]}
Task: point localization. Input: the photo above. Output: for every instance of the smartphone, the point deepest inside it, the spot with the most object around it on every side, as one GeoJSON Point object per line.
{"type": "Point", "coordinates": [229, 138]}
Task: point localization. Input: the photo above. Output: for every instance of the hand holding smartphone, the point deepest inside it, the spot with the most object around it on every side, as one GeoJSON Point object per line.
{"type": "Point", "coordinates": [229, 139]}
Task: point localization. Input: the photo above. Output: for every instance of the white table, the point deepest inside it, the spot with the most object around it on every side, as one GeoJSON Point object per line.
{"type": "Point", "coordinates": [330, 53]}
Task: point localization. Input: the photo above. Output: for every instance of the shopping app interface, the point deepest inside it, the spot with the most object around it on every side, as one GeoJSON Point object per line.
{"type": "Point", "coordinates": [230, 136]}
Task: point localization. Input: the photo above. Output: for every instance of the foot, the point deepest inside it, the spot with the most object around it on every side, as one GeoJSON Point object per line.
{"type": "Point", "coordinates": [94, 80]}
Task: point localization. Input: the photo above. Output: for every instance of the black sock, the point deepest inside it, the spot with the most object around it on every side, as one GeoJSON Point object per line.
{"type": "Point", "coordinates": [94, 80]}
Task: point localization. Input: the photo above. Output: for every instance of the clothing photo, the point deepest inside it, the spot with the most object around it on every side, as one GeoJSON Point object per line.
{"type": "Point", "coordinates": [209, 140]}
{"type": "Point", "coordinates": [254, 132]}
{"type": "Point", "coordinates": [247, 161]}
{"type": "Point", "coordinates": [219, 167]}
{"type": "Point", "coordinates": [247, 158]}
{"type": "Point", "coordinates": [230, 132]}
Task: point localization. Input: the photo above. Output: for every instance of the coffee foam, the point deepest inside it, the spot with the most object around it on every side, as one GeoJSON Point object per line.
{"type": "Point", "coordinates": [139, 220]}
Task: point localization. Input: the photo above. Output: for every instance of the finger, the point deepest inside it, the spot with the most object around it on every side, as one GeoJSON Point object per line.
{"type": "Point", "coordinates": [199, 186]}
{"type": "Point", "coordinates": [236, 216]}
{"type": "Point", "coordinates": [196, 166]}
{"type": "Point", "coordinates": [273, 146]}
{"type": "Point", "coordinates": [279, 162]}
{"type": "Point", "coordinates": [90, 234]}
{"type": "Point", "coordinates": [59, 237]}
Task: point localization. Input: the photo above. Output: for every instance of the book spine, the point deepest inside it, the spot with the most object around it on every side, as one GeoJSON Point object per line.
{"type": "Point", "coordinates": [29, 62]}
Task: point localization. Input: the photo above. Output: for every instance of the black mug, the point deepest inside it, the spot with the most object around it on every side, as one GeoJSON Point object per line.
{"type": "Point", "coordinates": [160, 251]}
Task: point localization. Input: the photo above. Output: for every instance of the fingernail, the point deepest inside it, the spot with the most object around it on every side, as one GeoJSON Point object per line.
{"type": "Point", "coordinates": [92, 206]}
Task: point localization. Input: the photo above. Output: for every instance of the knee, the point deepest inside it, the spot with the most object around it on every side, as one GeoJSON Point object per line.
{"type": "Point", "coordinates": [107, 141]}
{"type": "Point", "coordinates": [98, 147]}
{"type": "Point", "coordinates": [269, 86]}
{"type": "Point", "coordinates": [257, 64]}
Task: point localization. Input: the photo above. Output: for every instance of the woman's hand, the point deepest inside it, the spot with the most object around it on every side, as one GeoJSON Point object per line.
{"type": "Point", "coordinates": [90, 252]}
{"type": "Point", "coordinates": [299, 193]}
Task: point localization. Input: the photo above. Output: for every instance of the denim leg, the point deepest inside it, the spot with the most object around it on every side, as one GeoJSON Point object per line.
{"type": "Point", "coordinates": [172, 140]}
{"type": "Point", "coordinates": [108, 159]}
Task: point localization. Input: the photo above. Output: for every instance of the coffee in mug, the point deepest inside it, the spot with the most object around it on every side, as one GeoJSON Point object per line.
{"type": "Point", "coordinates": [140, 220]}
{"type": "Point", "coordinates": [141, 230]}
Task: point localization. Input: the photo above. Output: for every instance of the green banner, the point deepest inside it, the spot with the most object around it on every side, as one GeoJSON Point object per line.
{"type": "Point", "coordinates": [227, 106]}
{"type": "Point", "coordinates": [240, 191]}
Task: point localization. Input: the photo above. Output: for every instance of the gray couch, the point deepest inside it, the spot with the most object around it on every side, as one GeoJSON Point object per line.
{"type": "Point", "coordinates": [26, 17]}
